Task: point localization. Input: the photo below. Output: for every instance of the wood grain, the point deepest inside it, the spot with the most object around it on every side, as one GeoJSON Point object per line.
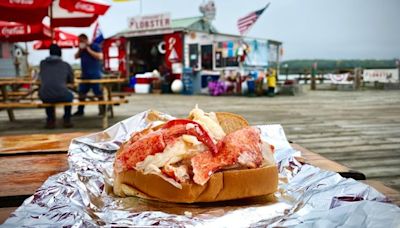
{"type": "Point", "coordinates": [37, 142]}
{"type": "Point", "coordinates": [23, 174]}
{"type": "Point", "coordinates": [39, 104]}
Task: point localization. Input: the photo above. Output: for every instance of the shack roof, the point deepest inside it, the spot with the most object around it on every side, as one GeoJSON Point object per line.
{"type": "Point", "coordinates": [195, 24]}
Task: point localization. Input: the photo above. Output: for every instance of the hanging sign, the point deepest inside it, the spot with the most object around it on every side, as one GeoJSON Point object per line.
{"type": "Point", "coordinates": [150, 22]}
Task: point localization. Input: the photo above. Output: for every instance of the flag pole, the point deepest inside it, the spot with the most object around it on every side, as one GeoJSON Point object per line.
{"type": "Point", "coordinates": [51, 23]}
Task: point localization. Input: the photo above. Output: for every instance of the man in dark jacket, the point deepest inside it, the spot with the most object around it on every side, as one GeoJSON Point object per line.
{"type": "Point", "coordinates": [54, 76]}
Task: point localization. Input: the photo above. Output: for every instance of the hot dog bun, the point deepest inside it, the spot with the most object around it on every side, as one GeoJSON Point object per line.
{"type": "Point", "coordinates": [223, 185]}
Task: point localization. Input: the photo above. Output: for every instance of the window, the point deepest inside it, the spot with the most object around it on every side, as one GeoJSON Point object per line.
{"type": "Point", "coordinates": [194, 55]}
{"type": "Point", "coordinates": [207, 57]}
{"type": "Point", "coordinates": [226, 54]}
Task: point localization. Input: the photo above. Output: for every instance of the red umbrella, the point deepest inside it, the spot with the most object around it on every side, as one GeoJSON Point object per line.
{"type": "Point", "coordinates": [61, 38]}
{"type": "Point", "coordinates": [17, 32]}
{"type": "Point", "coordinates": [64, 18]}
{"type": "Point", "coordinates": [24, 11]}
{"type": "Point", "coordinates": [76, 13]}
{"type": "Point", "coordinates": [25, 4]}
{"type": "Point", "coordinates": [99, 7]}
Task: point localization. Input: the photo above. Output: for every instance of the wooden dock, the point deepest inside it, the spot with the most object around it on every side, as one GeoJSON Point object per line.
{"type": "Point", "coordinates": [360, 130]}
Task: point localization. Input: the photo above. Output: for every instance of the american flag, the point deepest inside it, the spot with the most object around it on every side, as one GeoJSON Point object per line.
{"type": "Point", "coordinates": [98, 37]}
{"type": "Point", "coordinates": [244, 23]}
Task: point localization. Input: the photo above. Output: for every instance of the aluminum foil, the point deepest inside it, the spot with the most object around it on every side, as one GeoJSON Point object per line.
{"type": "Point", "coordinates": [307, 195]}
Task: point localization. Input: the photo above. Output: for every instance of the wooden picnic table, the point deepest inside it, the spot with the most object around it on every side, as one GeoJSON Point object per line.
{"type": "Point", "coordinates": [28, 160]}
{"type": "Point", "coordinates": [3, 88]}
{"type": "Point", "coordinates": [107, 88]}
{"type": "Point", "coordinates": [106, 85]}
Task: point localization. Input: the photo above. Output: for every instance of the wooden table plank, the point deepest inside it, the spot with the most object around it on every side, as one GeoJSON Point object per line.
{"type": "Point", "coordinates": [100, 81]}
{"type": "Point", "coordinates": [319, 161]}
{"type": "Point", "coordinates": [37, 142]}
{"type": "Point", "coordinates": [23, 174]}
{"type": "Point", "coordinates": [22, 170]}
{"type": "Point", "coordinates": [392, 194]}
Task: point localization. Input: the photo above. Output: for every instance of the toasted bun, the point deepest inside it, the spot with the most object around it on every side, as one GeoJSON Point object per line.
{"type": "Point", "coordinates": [226, 185]}
{"type": "Point", "coordinates": [231, 122]}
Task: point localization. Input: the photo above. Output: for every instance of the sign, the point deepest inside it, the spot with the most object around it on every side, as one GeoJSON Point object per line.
{"type": "Point", "coordinates": [150, 22]}
{"type": "Point", "coordinates": [173, 48]}
{"type": "Point", "coordinates": [381, 75]}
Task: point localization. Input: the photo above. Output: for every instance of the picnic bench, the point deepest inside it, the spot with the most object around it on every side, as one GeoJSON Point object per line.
{"type": "Point", "coordinates": [28, 160]}
{"type": "Point", "coordinates": [15, 99]}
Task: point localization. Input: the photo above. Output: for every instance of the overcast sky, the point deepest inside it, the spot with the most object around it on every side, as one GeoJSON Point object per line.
{"type": "Point", "coordinates": [309, 29]}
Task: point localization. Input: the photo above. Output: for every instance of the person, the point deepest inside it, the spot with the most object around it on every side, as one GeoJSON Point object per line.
{"type": "Point", "coordinates": [90, 55]}
{"type": "Point", "coordinates": [271, 81]}
{"type": "Point", "coordinates": [54, 75]}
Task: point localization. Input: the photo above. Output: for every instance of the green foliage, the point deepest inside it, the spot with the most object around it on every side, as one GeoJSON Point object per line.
{"type": "Point", "coordinates": [334, 66]}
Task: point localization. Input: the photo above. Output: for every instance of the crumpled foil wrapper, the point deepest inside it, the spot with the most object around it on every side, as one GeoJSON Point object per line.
{"type": "Point", "coordinates": [307, 196]}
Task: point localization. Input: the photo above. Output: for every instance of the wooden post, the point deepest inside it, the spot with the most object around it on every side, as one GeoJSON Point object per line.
{"type": "Point", "coordinates": [10, 112]}
{"type": "Point", "coordinates": [278, 55]}
{"type": "Point", "coordinates": [313, 72]}
{"type": "Point", "coordinates": [398, 68]}
{"type": "Point", "coordinates": [105, 120]}
{"type": "Point", "coordinates": [357, 79]}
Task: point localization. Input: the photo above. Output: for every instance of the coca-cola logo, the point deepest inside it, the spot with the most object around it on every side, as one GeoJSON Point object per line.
{"type": "Point", "coordinates": [21, 2]}
{"type": "Point", "coordinates": [84, 7]}
{"type": "Point", "coordinates": [10, 31]}
{"type": "Point", "coordinates": [67, 43]}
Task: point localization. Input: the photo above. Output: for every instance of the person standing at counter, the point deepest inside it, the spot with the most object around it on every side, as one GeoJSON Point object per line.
{"type": "Point", "coordinates": [91, 56]}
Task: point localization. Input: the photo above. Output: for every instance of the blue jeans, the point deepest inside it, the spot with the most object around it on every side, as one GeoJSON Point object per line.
{"type": "Point", "coordinates": [50, 111]}
{"type": "Point", "coordinates": [84, 89]}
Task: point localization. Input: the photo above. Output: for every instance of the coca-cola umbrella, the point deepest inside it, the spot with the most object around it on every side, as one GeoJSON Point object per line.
{"type": "Point", "coordinates": [61, 38]}
{"type": "Point", "coordinates": [98, 7]}
{"type": "Point", "coordinates": [76, 13]}
{"type": "Point", "coordinates": [63, 13]}
{"type": "Point", "coordinates": [25, 11]}
{"type": "Point", "coordinates": [18, 32]}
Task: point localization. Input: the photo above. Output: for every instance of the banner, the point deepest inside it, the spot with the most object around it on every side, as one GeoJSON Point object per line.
{"type": "Point", "coordinates": [381, 75]}
{"type": "Point", "coordinates": [340, 78]}
{"type": "Point", "coordinates": [257, 53]}
{"type": "Point", "coordinates": [173, 49]}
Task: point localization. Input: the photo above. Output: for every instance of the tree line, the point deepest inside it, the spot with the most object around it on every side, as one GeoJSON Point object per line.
{"type": "Point", "coordinates": [303, 66]}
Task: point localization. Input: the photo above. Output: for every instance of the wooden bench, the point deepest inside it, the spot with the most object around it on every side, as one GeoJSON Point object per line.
{"type": "Point", "coordinates": [28, 160]}
{"type": "Point", "coordinates": [17, 93]}
{"type": "Point", "coordinates": [107, 103]}
{"type": "Point", "coordinates": [25, 95]}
